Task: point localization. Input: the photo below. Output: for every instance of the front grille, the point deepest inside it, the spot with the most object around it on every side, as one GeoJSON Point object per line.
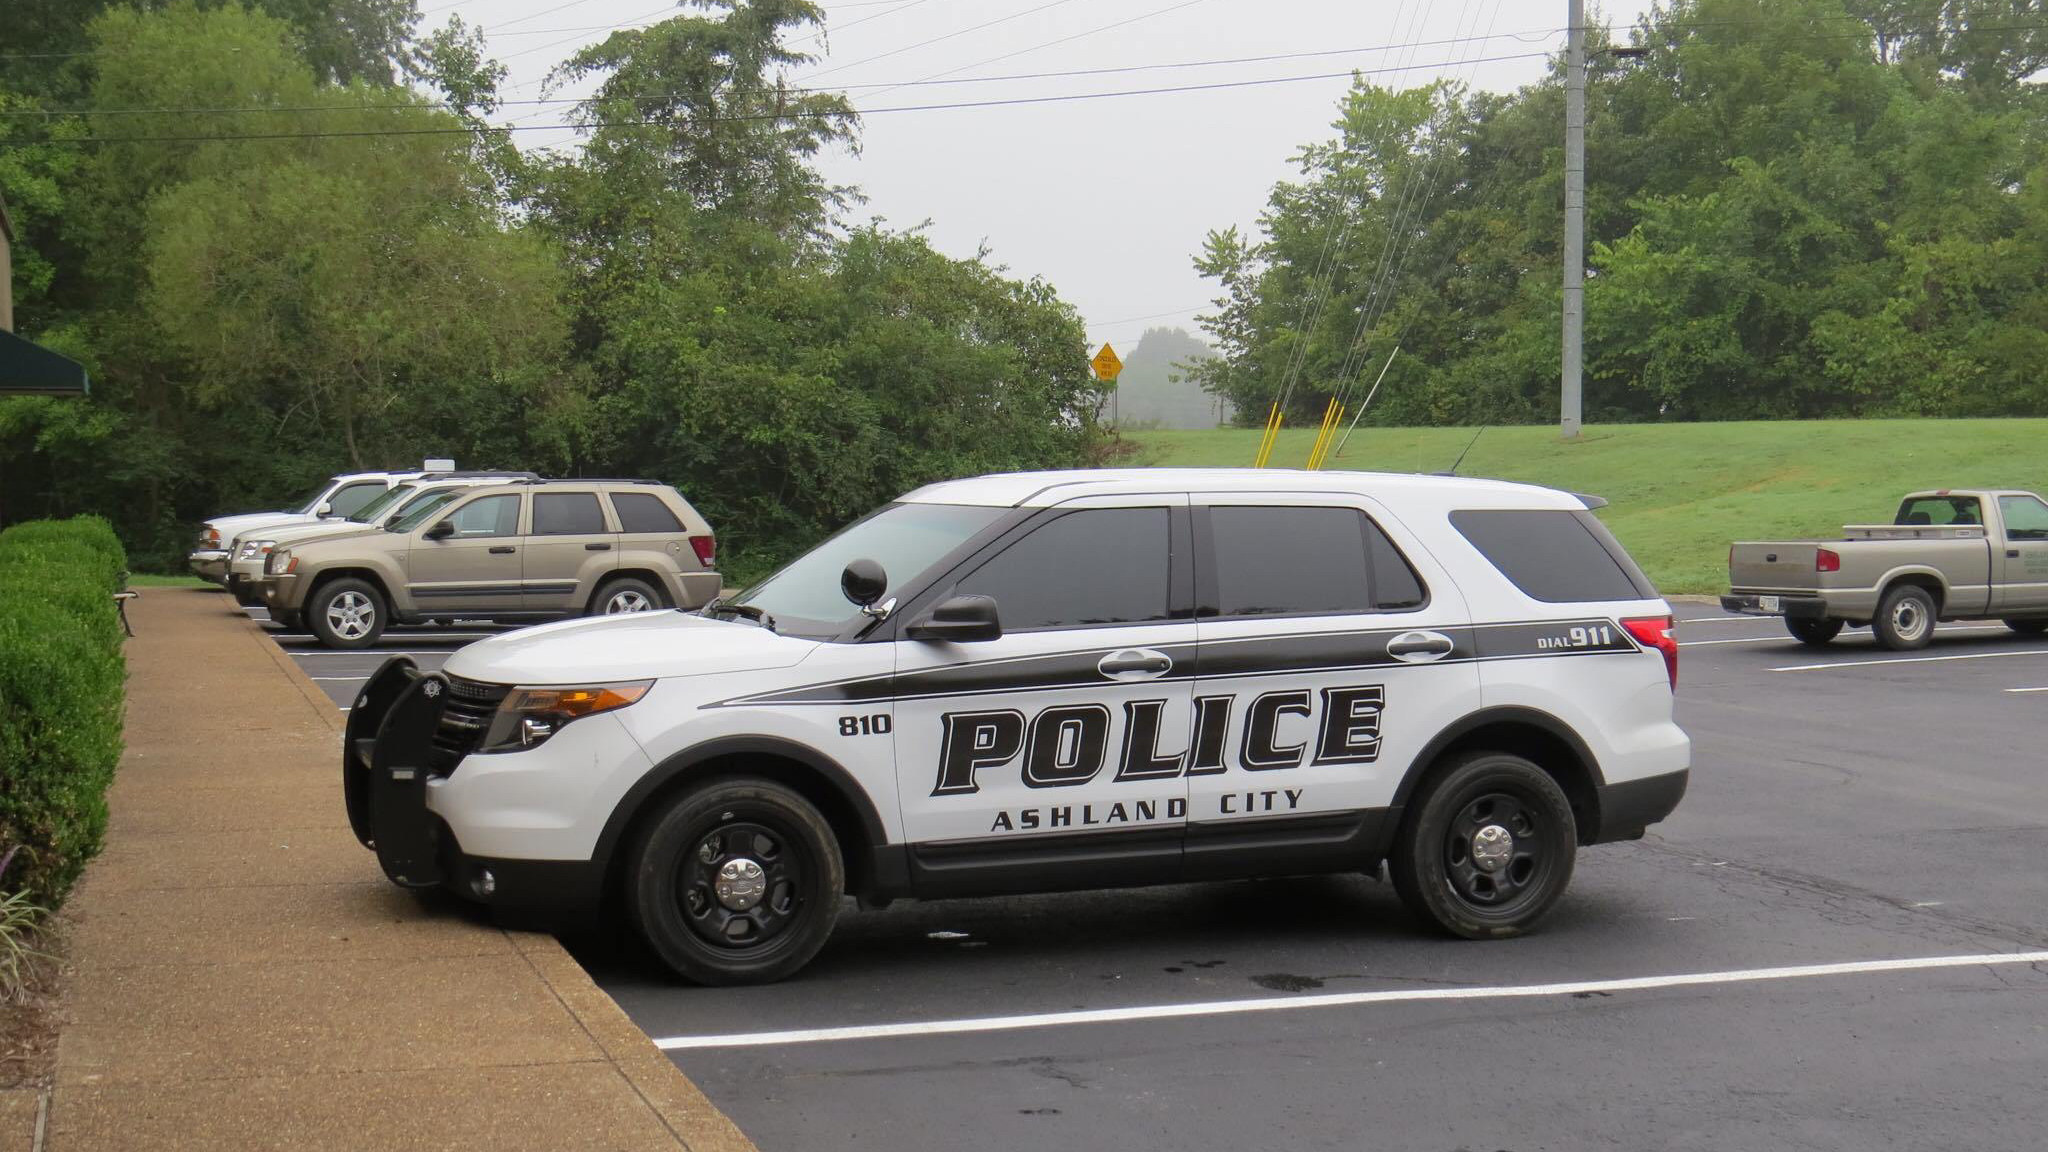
{"type": "Point", "coordinates": [465, 718]}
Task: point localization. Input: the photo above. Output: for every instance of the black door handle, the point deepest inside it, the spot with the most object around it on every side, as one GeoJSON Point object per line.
{"type": "Point", "coordinates": [2012, 553]}
{"type": "Point", "coordinates": [502, 550]}
{"type": "Point", "coordinates": [1154, 663]}
{"type": "Point", "coordinates": [597, 547]}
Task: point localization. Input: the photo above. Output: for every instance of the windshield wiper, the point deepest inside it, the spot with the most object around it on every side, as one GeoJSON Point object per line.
{"type": "Point", "coordinates": [747, 610]}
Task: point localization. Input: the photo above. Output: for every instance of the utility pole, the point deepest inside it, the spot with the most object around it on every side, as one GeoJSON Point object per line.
{"type": "Point", "coordinates": [1574, 217]}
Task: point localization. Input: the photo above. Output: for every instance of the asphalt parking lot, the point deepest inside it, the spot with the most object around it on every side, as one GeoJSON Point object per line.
{"type": "Point", "coordinates": [1855, 816]}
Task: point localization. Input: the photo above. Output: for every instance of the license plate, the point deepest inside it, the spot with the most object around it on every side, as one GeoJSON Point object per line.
{"type": "Point", "coordinates": [1767, 603]}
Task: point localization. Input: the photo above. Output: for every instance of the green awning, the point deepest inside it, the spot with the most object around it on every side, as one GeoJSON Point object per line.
{"type": "Point", "coordinates": [28, 369]}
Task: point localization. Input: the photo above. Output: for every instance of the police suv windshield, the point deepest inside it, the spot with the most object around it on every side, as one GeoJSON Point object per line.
{"type": "Point", "coordinates": [905, 539]}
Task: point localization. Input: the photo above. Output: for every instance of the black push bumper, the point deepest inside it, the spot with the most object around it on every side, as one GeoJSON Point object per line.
{"type": "Point", "coordinates": [388, 756]}
{"type": "Point", "coordinates": [1797, 607]}
{"type": "Point", "coordinates": [1626, 809]}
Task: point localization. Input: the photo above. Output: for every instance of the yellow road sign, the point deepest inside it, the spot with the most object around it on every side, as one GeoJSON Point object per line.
{"type": "Point", "coordinates": [1106, 363]}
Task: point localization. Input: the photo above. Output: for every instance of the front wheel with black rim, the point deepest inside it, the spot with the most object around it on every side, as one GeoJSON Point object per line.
{"type": "Point", "coordinates": [736, 882]}
{"type": "Point", "coordinates": [347, 613]}
{"type": "Point", "coordinates": [1813, 631]}
{"type": "Point", "coordinates": [1486, 848]}
{"type": "Point", "coordinates": [1905, 619]}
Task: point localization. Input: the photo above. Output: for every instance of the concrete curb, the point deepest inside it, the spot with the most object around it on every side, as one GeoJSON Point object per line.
{"type": "Point", "coordinates": [696, 1123]}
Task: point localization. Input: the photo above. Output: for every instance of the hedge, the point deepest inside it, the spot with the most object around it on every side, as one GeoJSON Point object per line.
{"type": "Point", "coordinates": [61, 673]}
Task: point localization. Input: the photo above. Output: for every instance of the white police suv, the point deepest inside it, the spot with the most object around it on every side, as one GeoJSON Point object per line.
{"type": "Point", "coordinates": [1052, 681]}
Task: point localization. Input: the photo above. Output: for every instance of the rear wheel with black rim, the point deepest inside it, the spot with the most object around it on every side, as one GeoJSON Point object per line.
{"type": "Point", "coordinates": [736, 882]}
{"type": "Point", "coordinates": [1487, 848]}
{"type": "Point", "coordinates": [1814, 631]}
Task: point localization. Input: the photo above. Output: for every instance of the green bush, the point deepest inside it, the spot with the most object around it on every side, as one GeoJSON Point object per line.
{"type": "Point", "coordinates": [61, 673]}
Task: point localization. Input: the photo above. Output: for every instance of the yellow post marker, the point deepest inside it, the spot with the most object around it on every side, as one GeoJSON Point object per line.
{"type": "Point", "coordinates": [1330, 439]}
{"type": "Point", "coordinates": [1315, 450]}
{"type": "Point", "coordinates": [1266, 436]}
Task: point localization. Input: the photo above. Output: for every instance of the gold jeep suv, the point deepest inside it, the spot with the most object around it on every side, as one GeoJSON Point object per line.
{"type": "Point", "coordinates": [521, 551]}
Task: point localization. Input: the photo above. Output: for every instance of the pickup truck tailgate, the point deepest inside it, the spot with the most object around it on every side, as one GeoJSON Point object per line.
{"type": "Point", "coordinates": [1774, 564]}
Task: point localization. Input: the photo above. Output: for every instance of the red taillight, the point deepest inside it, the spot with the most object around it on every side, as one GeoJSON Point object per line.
{"type": "Point", "coordinates": [1825, 560]}
{"type": "Point", "coordinates": [707, 550]}
{"type": "Point", "coordinates": [1655, 632]}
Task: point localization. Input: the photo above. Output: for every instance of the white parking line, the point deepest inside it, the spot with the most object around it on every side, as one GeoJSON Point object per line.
{"type": "Point", "coordinates": [371, 652]}
{"type": "Point", "coordinates": [1337, 1000]}
{"type": "Point", "coordinates": [364, 676]}
{"type": "Point", "coordinates": [1910, 660]}
{"type": "Point", "coordinates": [1787, 638]}
{"type": "Point", "coordinates": [2027, 689]}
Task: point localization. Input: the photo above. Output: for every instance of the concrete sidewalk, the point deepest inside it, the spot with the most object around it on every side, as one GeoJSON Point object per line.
{"type": "Point", "coordinates": [245, 977]}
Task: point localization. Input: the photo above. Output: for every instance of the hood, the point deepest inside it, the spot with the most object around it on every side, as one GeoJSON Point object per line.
{"type": "Point", "coordinates": [288, 535]}
{"type": "Point", "coordinates": [231, 527]}
{"type": "Point", "coordinates": [636, 646]}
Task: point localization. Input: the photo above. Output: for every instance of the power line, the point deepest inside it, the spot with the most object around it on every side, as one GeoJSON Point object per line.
{"type": "Point", "coordinates": [1049, 44]}
{"type": "Point", "coordinates": [1015, 101]}
{"type": "Point", "coordinates": [939, 39]}
{"type": "Point", "coordinates": [1121, 69]}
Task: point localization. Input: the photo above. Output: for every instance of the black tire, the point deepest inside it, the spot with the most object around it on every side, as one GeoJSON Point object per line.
{"type": "Point", "coordinates": [1434, 866]}
{"type": "Point", "coordinates": [1905, 618]}
{"type": "Point", "coordinates": [2027, 627]}
{"type": "Point", "coordinates": [643, 596]}
{"type": "Point", "coordinates": [287, 619]}
{"type": "Point", "coordinates": [681, 854]}
{"type": "Point", "coordinates": [1813, 631]}
{"type": "Point", "coordinates": [347, 613]}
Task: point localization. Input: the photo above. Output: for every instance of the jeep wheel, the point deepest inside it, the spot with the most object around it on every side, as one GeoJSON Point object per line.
{"type": "Point", "coordinates": [2027, 627]}
{"type": "Point", "coordinates": [347, 613]}
{"type": "Point", "coordinates": [626, 595]}
{"type": "Point", "coordinates": [1813, 631]}
{"type": "Point", "coordinates": [1905, 619]}
{"type": "Point", "coordinates": [1487, 848]}
{"type": "Point", "coordinates": [736, 882]}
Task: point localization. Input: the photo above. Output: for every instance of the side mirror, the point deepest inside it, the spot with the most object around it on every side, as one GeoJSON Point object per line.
{"type": "Point", "coordinates": [959, 619]}
{"type": "Point", "coordinates": [863, 582]}
{"type": "Point", "coordinates": [441, 531]}
{"type": "Point", "coordinates": [324, 510]}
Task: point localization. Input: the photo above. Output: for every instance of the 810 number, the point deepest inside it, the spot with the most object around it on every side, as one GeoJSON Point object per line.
{"type": "Point", "coordinates": [875, 725]}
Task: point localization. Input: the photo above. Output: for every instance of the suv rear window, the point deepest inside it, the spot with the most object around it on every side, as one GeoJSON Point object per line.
{"type": "Point", "coordinates": [1555, 555]}
{"type": "Point", "coordinates": [1277, 561]}
{"type": "Point", "coordinates": [642, 512]}
{"type": "Point", "coordinates": [566, 514]}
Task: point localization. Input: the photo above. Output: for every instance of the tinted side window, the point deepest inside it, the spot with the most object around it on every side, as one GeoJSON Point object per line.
{"type": "Point", "coordinates": [2025, 517]}
{"type": "Point", "coordinates": [641, 512]}
{"type": "Point", "coordinates": [1280, 561]}
{"type": "Point", "coordinates": [490, 516]}
{"type": "Point", "coordinates": [1394, 583]}
{"type": "Point", "coordinates": [566, 514]}
{"type": "Point", "coordinates": [1558, 556]}
{"type": "Point", "coordinates": [1097, 566]}
{"type": "Point", "coordinates": [352, 497]}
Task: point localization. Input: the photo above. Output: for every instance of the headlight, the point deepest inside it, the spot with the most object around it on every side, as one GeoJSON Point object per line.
{"type": "Point", "coordinates": [251, 549]}
{"type": "Point", "coordinates": [528, 716]}
{"type": "Point", "coordinates": [280, 562]}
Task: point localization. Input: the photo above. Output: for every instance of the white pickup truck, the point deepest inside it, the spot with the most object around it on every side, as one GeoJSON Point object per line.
{"type": "Point", "coordinates": [1951, 554]}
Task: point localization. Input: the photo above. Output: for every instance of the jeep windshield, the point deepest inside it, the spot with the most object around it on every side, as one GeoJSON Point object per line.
{"type": "Point", "coordinates": [369, 513]}
{"type": "Point", "coordinates": [415, 514]}
{"type": "Point", "coordinates": [804, 599]}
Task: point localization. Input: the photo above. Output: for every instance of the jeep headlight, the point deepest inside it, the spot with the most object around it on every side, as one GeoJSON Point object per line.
{"type": "Point", "coordinates": [528, 716]}
{"type": "Point", "coordinates": [280, 562]}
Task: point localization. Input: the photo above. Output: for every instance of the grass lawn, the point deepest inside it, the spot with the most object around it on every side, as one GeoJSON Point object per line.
{"type": "Point", "coordinates": [154, 580]}
{"type": "Point", "coordinates": [1679, 493]}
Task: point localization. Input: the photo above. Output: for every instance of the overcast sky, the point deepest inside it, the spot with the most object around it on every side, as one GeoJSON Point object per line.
{"type": "Point", "coordinates": [1108, 199]}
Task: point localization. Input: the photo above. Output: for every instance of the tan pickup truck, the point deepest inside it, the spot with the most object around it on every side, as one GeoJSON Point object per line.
{"type": "Point", "coordinates": [1953, 554]}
